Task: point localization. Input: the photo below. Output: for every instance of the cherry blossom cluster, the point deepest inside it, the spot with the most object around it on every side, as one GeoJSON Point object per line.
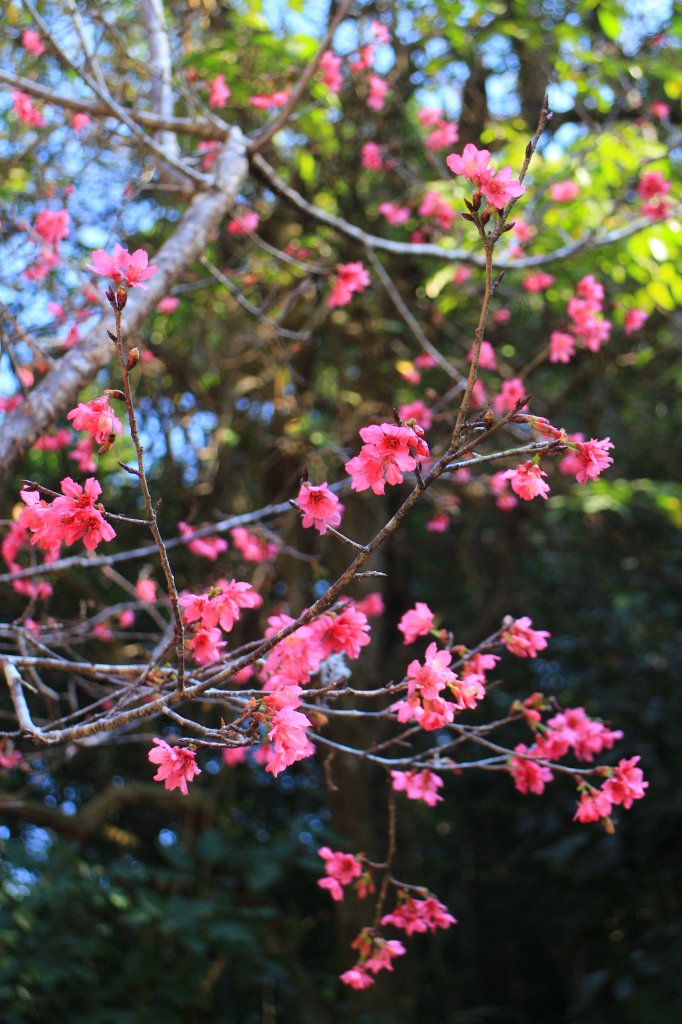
{"type": "Point", "coordinates": [497, 187]}
{"type": "Point", "coordinates": [220, 606]}
{"type": "Point", "coordinates": [74, 515]}
{"type": "Point", "coordinates": [388, 452]}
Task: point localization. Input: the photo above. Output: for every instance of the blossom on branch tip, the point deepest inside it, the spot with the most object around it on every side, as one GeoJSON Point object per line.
{"type": "Point", "coordinates": [177, 765]}
{"type": "Point", "coordinates": [130, 268]}
{"type": "Point", "coordinates": [473, 164]}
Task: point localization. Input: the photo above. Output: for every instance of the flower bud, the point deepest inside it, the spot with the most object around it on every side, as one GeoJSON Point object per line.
{"type": "Point", "coordinates": [121, 297]}
{"type": "Point", "coordinates": [133, 358]}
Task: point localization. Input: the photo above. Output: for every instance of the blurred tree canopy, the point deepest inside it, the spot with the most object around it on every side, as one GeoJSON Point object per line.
{"type": "Point", "coordinates": [121, 903]}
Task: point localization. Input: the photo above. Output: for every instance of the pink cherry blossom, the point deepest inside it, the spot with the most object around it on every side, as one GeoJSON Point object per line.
{"type": "Point", "coordinates": [418, 621]}
{"type": "Point", "coordinates": [364, 60]}
{"type": "Point", "coordinates": [351, 278]}
{"type": "Point", "coordinates": [82, 455]}
{"type": "Point", "coordinates": [221, 605]}
{"type": "Point", "coordinates": [54, 442]}
{"type": "Point", "coordinates": [418, 785]}
{"type": "Point", "coordinates": [289, 741]}
{"type": "Point", "coordinates": [511, 393]}
{"type": "Point", "coordinates": [244, 223]}
{"type": "Point", "coordinates": [634, 319]}
{"type": "Point", "coordinates": [593, 458]}
{"type": "Point", "coordinates": [346, 632]}
{"type": "Point", "coordinates": [32, 43]}
{"type": "Point", "coordinates": [501, 188]}
{"type": "Point", "coordinates": [434, 205]}
{"type": "Point", "coordinates": [561, 347]}
{"type": "Point", "coordinates": [265, 101]}
{"type": "Point", "coordinates": [660, 110]}
{"type": "Point", "coordinates": [428, 679]}
{"type": "Point", "coordinates": [206, 645]}
{"type": "Point", "coordinates": [123, 266]}
{"type": "Point", "coordinates": [70, 517]}
{"type": "Point", "coordinates": [653, 183]}
{"type": "Point", "coordinates": [440, 523]}
{"type": "Point", "coordinates": [522, 640]}
{"type": "Point", "coordinates": [527, 481]}
{"type": "Point", "coordinates": [79, 121]}
{"type": "Point", "coordinates": [252, 547]}
{"type": "Point", "coordinates": [220, 92]}
{"type": "Point", "coordinates": [473, 164]}
{"type": "Point", "coordinates": [52, 226]}
{"type": "Point", "coordinates": [461, 275]}
{"type": "Point", "coordinates": [177, 765]}
{"type": "Point", "coordinates": [330, 66]}
{"type": "Point", "coordinates": [168, 304]}
{"type": "Point", "coordinates": [341, 869]}
{"type": "Point", "coordinates": [204, 547]}
{"type": "Point", "coordinates": [387, 453]}
{"type": "Point", "coordinates": [416, 412]}
{"type": "Point", "coordinates": [372, 605]}
{"type": "Point", "coordinates": [419, 916]}
{"type": "Point", "coordinates": [538, 282]}
{"type": "Point", "coordinates": [370, 157]}
{"type": "Point", "coordinates": [97, 418]}
{"type": "Point", "coordinates": [594, 805]}
{"type": "Point", "coordinates": [444, 134]}
{"type": "Point", "coordinates": [357, 978]}
{"type": "Point", "coordinates": [626, 784]}
{"type": "Point", "coordinates": [486, 356]}
{"type": "Point", "coordinates": [394, 215]}
{"type": "Point", "coordinates": [564, 191]}
{"type": "Point", "coordinates": [529, 776]}
{"type": "Point", "coordinates": [321, 508]}
{"type": "Point", "coordinates": [502, 316]}
{"type": "Point", "coordinates": [145, 589]}
{"type": "Point", "coordinates": [25, 111]}
{"type": "Point", "coordinates": [378, 89]}
{"type": "Point", "coordinates": [380, 32]}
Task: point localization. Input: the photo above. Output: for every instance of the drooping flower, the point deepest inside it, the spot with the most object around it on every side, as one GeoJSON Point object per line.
{"type": "Point", "coordinates": [593, 458]}
{"type": "Point", "coordinates": [97, 417]}
{"type": "Point", "coordinates": [413, 915]}
{"type": "Point", "coordinates": [594, 805]}
{"type": "Point", "coordinates": [289, 741]}
{"type": "Point", "coordinates": [206, 645]}
{"type": "Point", "coordinates": [522, 640]}
{"type": "Point", "coordinates": [205, 547]}
{"type": "Point", "coordinates": [177, 765]}
{"type": "Point", "coordinates": [340, 868]}
{"type": "Point", "coordinates": [527, 481]}
{"type": "Point", "coordinates": [394, 215]}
